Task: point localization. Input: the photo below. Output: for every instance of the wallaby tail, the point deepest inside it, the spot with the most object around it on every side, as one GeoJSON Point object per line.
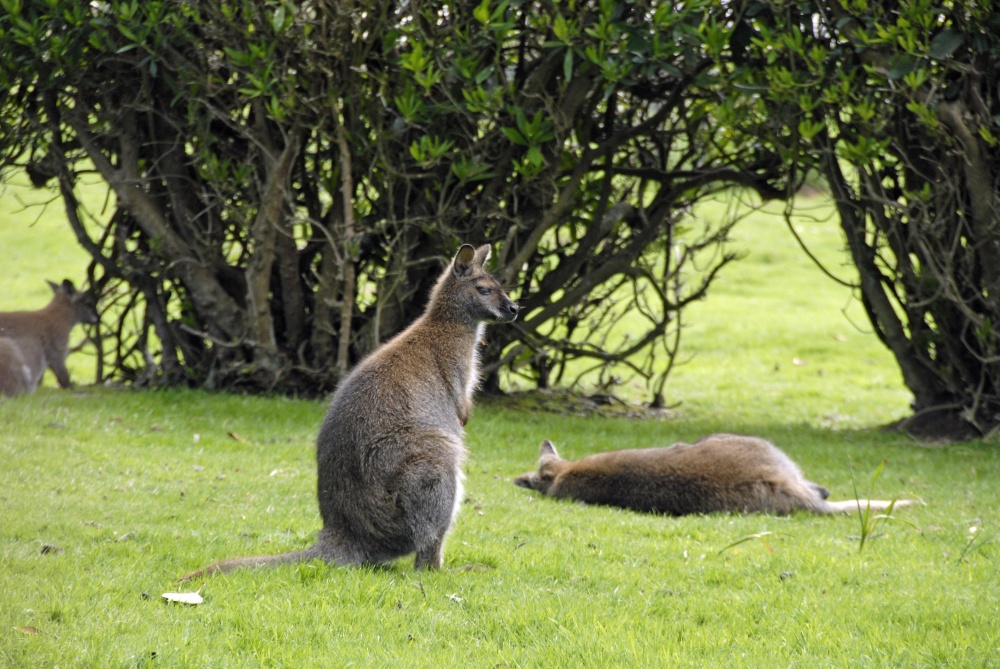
{"type": "Point", "coordinates": [223, 566]}
{"type": "Point", "coordinates": [853, 505]}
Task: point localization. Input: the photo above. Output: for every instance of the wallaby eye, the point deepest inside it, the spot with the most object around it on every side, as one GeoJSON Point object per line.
{"type": "Point", "coordinates": [484, 291]}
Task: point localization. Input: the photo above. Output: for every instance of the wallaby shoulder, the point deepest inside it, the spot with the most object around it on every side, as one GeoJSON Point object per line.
{"type": "Point", "coordinates": [430, 359]}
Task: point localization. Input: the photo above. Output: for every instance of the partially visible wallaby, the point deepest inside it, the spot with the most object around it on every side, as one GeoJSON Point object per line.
{"type": "Point", "coordinates": [721, 472]}
{"type": "Point", "coordinates": [30, 341]}
{"type": "Point", "coordinates": [391, 447]}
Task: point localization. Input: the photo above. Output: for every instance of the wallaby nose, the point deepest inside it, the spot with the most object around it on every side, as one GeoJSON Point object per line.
{"type": "Point", "coordinates": [513, 309]}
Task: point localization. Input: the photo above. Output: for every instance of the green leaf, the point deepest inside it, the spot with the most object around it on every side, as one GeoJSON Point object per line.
{"type": "Point", "coordinates": [534, 156]}
{"type": "Point", "coordinates": [468, 170]}
{"type": "Point", "coordinates": [987, 135]}
{"type": "Point", "coordinates": [945, 43]}
{"type": "Point", "coordinates": [238, 58]}
{"type": "Point", "coordinates": [809, 129]}
{"type": "Point", "coordinates": [560, 29]}
{"type": "Point", "coordinates": [514, 136]}
{"type": "Point", "coordinates": [416, 152]}
{"type": "Point", "coordinates": [278, 19]}
{"type": "Point", "coordinates": [127, 32]}
{"type": "Point", "coordinates": [275, 108]}
{"type": "Point", "coordinates": [901, 65]}
{"type": "Point", "coordinates": [482, 12]}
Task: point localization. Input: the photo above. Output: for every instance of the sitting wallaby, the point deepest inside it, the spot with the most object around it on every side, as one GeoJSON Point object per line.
{"type": "Point", "coordinates": [391, 447]}
{"type": "Point", "coordinates": [30, 341]}
{"type": "Point", "coordinates": [721, 472]}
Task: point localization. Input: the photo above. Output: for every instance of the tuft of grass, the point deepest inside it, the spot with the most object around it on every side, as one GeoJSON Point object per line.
{"type": "Point", "coordinates": [762, 536]}
{"type": "Point", "coordinates": [868, 518]}
{"type": "Point", "coordinates": [107, 496]}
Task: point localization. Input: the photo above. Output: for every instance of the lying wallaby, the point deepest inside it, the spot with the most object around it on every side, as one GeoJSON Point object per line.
{"type": "Point", "coordinates": [30, 341]}
{"type": "Point", "coordinates": [721, 472]}
{"type": "Point", "coordinates": [391, 447]}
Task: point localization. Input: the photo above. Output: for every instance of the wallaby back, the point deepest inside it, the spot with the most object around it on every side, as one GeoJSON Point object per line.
{"type": "Point", "coordinates": [30, 341]}
{"type": "Point", "coordinates": [721, 472]}
{"type": "Point", "coordinates": [392, 444]}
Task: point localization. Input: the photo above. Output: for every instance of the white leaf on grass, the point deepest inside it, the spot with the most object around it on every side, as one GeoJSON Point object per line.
{"type": "Point", "coordinates": [184, 597]}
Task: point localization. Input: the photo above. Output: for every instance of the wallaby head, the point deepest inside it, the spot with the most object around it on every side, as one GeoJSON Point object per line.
{"type": "Point", "coordinates": [467, 292]}
{"type": "Point", "coordinates": [83, 303]}
{"type": "Point", "coordinates": [549, 465]}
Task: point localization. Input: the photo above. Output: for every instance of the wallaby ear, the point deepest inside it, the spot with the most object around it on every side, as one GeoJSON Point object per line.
{"type": "Point", "coordinates": [464, 260]}
{"type": "Point", "coordinates": [483, 254]}
{"type": "Point", "coordinates": [547, 450]}
{"type": "Point", "coordinates": [68, 287]}
{"type": "Point", "coordinates": [53, 286]}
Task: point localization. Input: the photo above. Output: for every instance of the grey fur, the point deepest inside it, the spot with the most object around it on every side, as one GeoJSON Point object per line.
{"type": "Point", "coordinates": [391, 447]}
{"type": "Point", "coordinates": [721, 472]}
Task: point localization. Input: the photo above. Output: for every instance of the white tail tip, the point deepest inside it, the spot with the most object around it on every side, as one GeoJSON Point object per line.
{"type": "Point", "coordinates": [852, 505]}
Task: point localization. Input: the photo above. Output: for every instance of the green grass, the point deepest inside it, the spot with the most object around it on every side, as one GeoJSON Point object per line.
{"type": "Point", "coordinates": [135, 489]}
{"type": "Point", "coordinates": [778, 340]}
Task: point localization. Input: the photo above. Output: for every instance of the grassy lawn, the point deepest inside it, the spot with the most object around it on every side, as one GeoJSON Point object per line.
{"type": "Point", "coordinates": [106, 496]}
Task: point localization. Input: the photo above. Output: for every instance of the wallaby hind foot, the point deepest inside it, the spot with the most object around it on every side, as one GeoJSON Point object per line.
{"type": "Point", "coordinates": [430, 559]}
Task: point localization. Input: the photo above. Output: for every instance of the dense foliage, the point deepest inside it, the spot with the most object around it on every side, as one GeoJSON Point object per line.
{"type": "Point", "coordinates": [897, 105]}
{"type": "Point", "coordinates": [288, 177]}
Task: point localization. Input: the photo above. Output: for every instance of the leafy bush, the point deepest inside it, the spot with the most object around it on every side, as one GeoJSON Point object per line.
{"type": "Point", "coordinates": [897, 106]}
{"type": "Point", "coordinates": [286, 177]}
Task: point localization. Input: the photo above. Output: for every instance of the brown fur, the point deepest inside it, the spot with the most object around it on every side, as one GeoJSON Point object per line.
{"type": "Point", "coordinates": [721, 472]}
{"type": "Point", "coordinates": [30, 341]}
{"type": "Point", "coordinates": [392, 444]}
